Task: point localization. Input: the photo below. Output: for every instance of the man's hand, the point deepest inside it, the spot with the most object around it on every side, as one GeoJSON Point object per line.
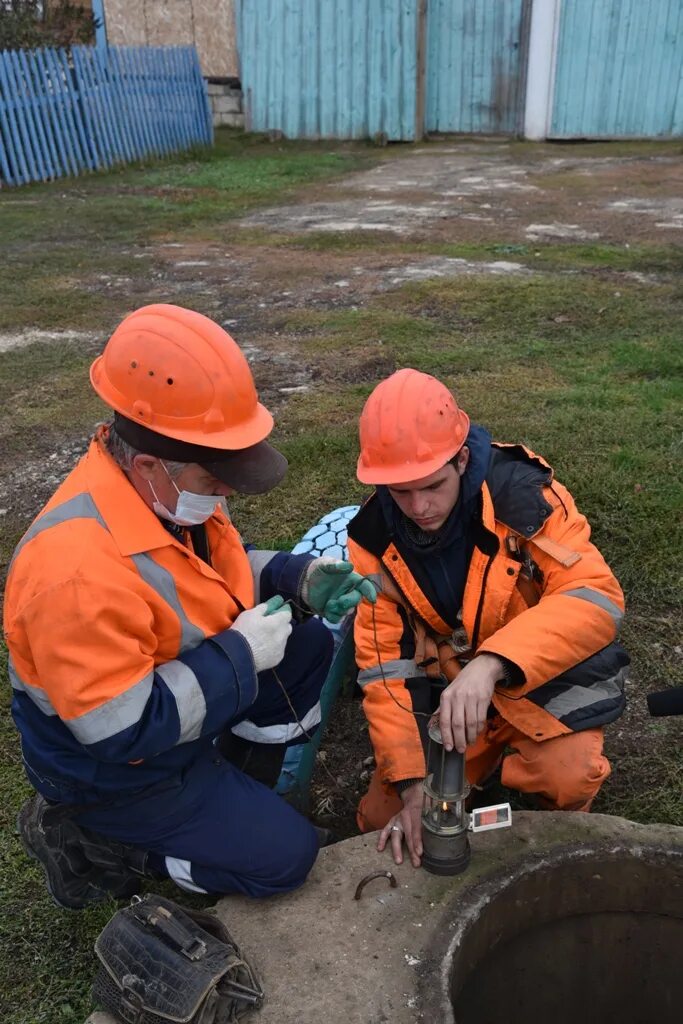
{"type": "Point", "coordinates": [408, 823]}
{"type": "Point", "coordinates": [331, 588]}
{"type": "Point", "coordinates": [465, 702]}
{"type": "Point", "coordinates": [266, 628]}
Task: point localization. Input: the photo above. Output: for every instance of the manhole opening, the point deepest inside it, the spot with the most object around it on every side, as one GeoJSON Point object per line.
{"type": "Point", "coordinates": [582, 941]}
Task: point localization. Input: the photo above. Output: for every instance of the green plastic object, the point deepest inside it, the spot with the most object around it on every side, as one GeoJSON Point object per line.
{"type": "Point", "coordinates": [295, 779]}
{"type": "Point", "coordinates": [274, 604]}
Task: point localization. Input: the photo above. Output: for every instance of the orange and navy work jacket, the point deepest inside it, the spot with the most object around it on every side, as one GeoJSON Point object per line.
{"type": "Point", "coordinates": [122, 662]}
{"type": "Point", "coordinates": [538, 594]}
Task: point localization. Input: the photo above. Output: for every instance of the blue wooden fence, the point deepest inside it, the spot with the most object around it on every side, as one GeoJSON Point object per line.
{"type": "Point", "coordinates": [67, 112]}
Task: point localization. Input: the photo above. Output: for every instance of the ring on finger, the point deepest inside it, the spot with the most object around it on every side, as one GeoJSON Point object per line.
{"type": "Point", "coordinates": [396, 828]}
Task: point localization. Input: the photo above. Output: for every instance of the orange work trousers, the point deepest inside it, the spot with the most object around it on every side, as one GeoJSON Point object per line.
{"type": "Point", "coordinates": [565, 772]}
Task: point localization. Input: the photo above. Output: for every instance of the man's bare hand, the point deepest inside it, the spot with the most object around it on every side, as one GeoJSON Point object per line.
{"type": "Point", "coordinates": [408, 823]}
{"type": "Point", "coordinates": [465, 702]}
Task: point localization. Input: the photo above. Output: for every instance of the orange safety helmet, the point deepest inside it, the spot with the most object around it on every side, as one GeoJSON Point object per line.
{"type": "Point", "coordinates": [410, 427]}
{"type": "Point", "coordinates": [180, 375]}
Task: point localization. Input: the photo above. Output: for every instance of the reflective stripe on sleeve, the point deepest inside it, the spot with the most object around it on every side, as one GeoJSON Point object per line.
{"type": "Point", "coordinates": [282, 733]}
{"type": "Point", "coordinates": [117, 714]}
{"type": "Point", "coordinates": [189, 698]}
{"type": "Point", "coordinates": [36, 693]}
{"type": "Point", "coordinates": [162, 581]}
{"type": "Point", "coordinates": [402, 668]}
{"type": "Point", "coordinates": [258, 560]}
{"type": "Point", "coordinates": [595, 597]}
{"type": "Point", "coordinates": [576, 697]}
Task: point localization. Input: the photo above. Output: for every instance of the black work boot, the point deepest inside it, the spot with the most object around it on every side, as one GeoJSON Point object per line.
{"type": "Point", "coordinates": [326, 837]}
{"type": "Point", "coordinates": [80, 866]}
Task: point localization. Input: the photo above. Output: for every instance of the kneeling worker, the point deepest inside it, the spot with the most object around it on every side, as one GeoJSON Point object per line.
{"type": "Point", "coordinates": [493, 607]}
{"type": "Point", "coordinates": [157, 674]}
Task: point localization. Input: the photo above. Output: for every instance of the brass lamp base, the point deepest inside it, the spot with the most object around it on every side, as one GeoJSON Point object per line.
{"type": "Point", "coordinates": [445, 855]}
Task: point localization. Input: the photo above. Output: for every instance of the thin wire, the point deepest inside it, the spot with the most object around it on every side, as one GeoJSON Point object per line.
{"type": "Point", "coordinates": [309, 738]}
{"type": "Point", "coordinates": [375, 636]}
{"type": "Point", "coordinates": [411, 711]}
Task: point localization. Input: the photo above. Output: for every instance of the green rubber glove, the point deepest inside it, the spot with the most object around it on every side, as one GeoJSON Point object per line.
{"type": "Point", "coordinates": [332, 589]}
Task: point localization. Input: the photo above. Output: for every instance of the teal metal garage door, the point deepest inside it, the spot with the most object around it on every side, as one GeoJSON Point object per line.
{"type": "Point", "coordinates": [476, 60]}
{"type": "Point", "coordinates": [619, 69]}
{"type": "Point", "coordinates": [329, 68]}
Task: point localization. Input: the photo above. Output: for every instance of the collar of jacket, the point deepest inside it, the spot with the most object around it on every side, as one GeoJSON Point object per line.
{"type": "Point", "coordinates": [514, 483]}
{"type": "Point", "coordinates": [132, 524]}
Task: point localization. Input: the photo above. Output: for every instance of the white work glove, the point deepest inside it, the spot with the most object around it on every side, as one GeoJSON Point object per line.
{"type": "Point", "coordinates": [266, 628]}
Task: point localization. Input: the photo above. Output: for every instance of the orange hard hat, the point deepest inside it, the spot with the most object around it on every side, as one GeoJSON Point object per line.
{"type": "Point", "coordinates": [180, 375]}
{"type": "Point", "coordinates": [410, 427]}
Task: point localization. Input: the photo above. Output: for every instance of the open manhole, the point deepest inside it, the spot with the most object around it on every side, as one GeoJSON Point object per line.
{"type": "Point", "coordinates": [591, 936]}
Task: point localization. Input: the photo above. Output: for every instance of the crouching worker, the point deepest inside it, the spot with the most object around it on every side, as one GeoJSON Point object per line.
{"type": "Point", "coordinates": [157, 673]}
{"type": "Point", "coordinates": [493, 608]}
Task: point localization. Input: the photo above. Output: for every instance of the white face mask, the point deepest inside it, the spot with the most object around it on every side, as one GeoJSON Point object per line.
{"type": "Point", "coordinates": [191, 509]}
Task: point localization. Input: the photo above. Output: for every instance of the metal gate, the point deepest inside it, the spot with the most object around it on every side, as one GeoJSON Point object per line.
{"type": "Point", "coordinates": [397, 68]}
{"type": "Point", "coordinates": [476, 65]}
{"type": "Point", "coordinates": [618, 69]}
{"type": "Point", "coordinates": [330, 68]}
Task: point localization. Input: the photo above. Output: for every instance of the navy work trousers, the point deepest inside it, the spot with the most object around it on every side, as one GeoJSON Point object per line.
{"type": "Point", "coordinates": [215, 829]}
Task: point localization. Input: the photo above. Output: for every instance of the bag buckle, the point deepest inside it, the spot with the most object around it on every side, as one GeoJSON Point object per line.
{"type": "Point", "coordinates": [132, 1006]}
{"type": "Point", "coordinates": [195, 949]}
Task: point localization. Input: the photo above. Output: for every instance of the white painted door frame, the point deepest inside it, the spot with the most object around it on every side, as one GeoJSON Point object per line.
{"type": "Point", "coordinates": [542, 60]}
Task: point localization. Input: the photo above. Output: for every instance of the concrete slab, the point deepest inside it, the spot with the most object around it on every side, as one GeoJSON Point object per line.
{"type": "Point", "coordinates": [324, 956]}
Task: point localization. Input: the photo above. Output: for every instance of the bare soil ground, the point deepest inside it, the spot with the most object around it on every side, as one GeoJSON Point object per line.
{"type": "Point", "coordinates": [502, 192]}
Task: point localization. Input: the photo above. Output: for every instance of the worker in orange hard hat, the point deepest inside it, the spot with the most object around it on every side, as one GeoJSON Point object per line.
{"type": "Point", "coordinates": [158, 670]}
{"type": "Point", "coordinates": [494, 609]}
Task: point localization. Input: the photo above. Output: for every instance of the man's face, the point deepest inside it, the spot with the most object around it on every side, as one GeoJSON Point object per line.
{"type": "Point", "coordinates": [430, 500]}
{"type": "Point", "coordinates": [192, 478]}
{"type": "Point", "coordinates": [199, 481]}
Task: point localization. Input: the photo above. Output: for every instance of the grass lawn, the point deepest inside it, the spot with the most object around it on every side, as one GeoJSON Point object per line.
{"type": "Point", "coordinates": [584, 369]}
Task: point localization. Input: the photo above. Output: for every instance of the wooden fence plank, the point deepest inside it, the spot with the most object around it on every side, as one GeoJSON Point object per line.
{"type": "Point", "coordinates": [34, 78]}
{"type": "Point", "coordinates": [185, 101]}
{"type": "Point", "coordinates": [22, 133]}
{"type": "Point", "coordinates": [77, 139]}
{"type": "Point", "coordinates": [141, 93]}
{"type": "Point", "coordinates": [34, 124]}
{"type": "Point", "coordinates": [157, 72]}
{"type": "Point", "coordinates": [66, 137]}
{"type": "Point", "coordinates": [52, 110]}
{"type": "Point", "coordinates": [7, 148]}
{"type": "Point", "coordinates": [132, 108]}
{"type": "Point", "coordinates": [103, 84]}
{"type": "Point", "coordinates": [175, 96]}
{"type": "Point", "coordinates": [91, 108]}
{"type": "Point", "coordinates": [107, 69]}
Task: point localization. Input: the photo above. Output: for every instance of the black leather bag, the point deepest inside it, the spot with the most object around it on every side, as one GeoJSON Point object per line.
{"type": "Point", "coordinates": [161, 963]}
